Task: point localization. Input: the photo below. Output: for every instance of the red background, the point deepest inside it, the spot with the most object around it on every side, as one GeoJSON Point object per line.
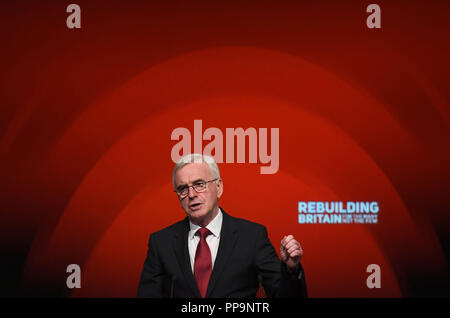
{"type": "Point", "coordinates": [87, 114]}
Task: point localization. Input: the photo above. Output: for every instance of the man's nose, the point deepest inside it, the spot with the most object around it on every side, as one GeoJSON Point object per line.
{"type": "Point", "coordinates": [191, 192]}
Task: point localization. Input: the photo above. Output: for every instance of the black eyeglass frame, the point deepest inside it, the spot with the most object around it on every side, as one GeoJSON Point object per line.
{"type": "Point", "coordinates": [203, 189]}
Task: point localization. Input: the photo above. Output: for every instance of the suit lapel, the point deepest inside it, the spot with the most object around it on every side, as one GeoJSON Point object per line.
{"type": "Point", "coordinates": [182, 254]}
{"type": "Point", "coordinates": [228, 238]}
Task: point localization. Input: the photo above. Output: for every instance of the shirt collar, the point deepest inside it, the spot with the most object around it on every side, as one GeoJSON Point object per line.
{"type": "Point", "coordinates": [214, 226]}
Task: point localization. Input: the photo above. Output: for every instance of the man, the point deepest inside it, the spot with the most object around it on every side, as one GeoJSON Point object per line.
{"type": "Point", "coordinates": [212, 254]}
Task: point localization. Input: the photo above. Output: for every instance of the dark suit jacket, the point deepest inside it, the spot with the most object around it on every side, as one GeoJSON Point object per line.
{"type": "Point", "coordinates": [245, 255]}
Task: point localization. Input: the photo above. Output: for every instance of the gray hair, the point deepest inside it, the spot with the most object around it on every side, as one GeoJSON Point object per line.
{"type": "Point", "coordinates": [197, 158]}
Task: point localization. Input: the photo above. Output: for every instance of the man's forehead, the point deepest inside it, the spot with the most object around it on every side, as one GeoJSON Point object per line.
{"type": "Point", "coordinates": [192, 172]}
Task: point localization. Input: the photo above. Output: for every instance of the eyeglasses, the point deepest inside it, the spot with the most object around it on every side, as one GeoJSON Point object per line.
{"type": "Point", "coordinates": [198, 186]}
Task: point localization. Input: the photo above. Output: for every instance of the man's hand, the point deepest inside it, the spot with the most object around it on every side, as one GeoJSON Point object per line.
{"type": "Point", "coordinates": [291, 252]}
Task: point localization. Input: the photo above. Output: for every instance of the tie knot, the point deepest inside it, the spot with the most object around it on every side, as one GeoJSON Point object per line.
{"type": "Point", "coordinates": [203, 232]}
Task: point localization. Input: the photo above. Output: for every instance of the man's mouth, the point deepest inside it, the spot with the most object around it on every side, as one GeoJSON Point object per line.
{"type": "Point", "coordinates": [194, 206]}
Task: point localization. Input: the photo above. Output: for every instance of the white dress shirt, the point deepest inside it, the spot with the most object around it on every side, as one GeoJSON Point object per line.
{"type": "Point", "coordinates": [212, 240]}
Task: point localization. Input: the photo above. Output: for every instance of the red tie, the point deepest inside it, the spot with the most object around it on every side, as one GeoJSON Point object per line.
{"type": "Point", "coordinates": [202, 263]}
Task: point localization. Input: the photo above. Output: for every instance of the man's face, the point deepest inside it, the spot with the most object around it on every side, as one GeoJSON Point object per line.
{"type": "Point", "coordinates": [199, 206]}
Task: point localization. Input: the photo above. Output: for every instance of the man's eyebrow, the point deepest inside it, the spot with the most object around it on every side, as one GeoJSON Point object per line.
{"type": "Point", "coordinates": [185, 184]}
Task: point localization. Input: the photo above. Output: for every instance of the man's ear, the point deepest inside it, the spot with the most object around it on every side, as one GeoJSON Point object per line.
{"type": "Point", "coordinates": [219, 186]}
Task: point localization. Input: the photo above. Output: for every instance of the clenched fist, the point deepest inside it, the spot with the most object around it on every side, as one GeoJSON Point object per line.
{"type": "Point", "coordinates": [290, 252]}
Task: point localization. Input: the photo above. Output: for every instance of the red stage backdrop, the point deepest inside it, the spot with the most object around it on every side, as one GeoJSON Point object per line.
{"type": "Point", "coordinates": [352, 114]}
